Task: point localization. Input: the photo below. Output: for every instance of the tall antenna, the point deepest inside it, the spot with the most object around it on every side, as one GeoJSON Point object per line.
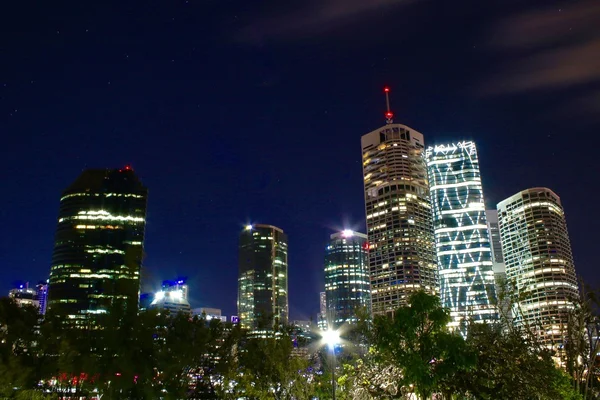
{"type": "Point", "coordinates": [389, 115]}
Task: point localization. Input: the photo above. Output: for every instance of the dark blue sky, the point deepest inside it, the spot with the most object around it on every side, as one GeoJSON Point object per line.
{"type": "Point", "coordinates": [252, 111]}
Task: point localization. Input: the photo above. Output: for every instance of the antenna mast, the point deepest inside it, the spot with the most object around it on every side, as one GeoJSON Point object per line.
{"type": "Point", "coordinates": [389, 115]}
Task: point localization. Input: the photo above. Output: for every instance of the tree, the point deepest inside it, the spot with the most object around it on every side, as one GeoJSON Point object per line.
{"type": "Point", "coordinates": [417, 343]}
{"type": "Point", "coordinates": [510, 365]}
{"type": "Point", "coordinates": [18, 339]}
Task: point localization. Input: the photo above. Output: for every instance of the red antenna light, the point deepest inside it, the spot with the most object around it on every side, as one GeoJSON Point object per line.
{"type": "Point", "coordinates": [389, 115]}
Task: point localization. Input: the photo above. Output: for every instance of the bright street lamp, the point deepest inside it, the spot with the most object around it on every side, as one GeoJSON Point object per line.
{"type": "Point", "coordinates": [332, 338]}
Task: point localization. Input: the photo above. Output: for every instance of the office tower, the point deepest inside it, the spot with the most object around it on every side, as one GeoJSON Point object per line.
{"type": "Point", "coordinates": [347, 285]}
{"type": "Point", "coordinates": [263, 277]}
{"type": "Point", "coordinates": [537, 254]}
{"type": "Point", "coordinates": [462, 240]}
{"type": "Point", "coordinates": [98, 247]}
{"type": "Point", "coordinates": [23, 295]}
{"type": "Point", "coordinates": [399, 220]}
{"type": "Point", "coordinates": [41, 295]}
{"type": "Point", "coordinates": [322, 317]}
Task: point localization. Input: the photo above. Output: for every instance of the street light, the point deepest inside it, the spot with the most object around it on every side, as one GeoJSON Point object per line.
{"type": "Point", "coordinates": [331, 338]}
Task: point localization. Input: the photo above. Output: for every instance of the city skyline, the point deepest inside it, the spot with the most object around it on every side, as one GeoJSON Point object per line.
{"type": "Point", "coordinates": [233, 112]}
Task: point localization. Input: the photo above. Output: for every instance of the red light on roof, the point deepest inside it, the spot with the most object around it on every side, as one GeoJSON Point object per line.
{"type": "Point", "coordinates": [128, 168]}
{"type": "Point", "coordinates": [389, 115]}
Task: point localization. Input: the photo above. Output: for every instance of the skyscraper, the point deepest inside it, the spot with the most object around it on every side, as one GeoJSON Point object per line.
{"type": "Point", "coordinates": [462, 240]}
{"type": "Point", "coordinates": [263, 277]}
{"type": "Point", "coordinates": [347, 285]}
{"type": "Point", "coordinates": [399, 220]}
{"type": "Point", "coordinates": [537, 254]}
{"type": "Point", "coordinates": [99, 246]}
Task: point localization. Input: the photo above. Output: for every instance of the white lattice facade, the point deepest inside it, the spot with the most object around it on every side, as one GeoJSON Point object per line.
{"type": "Point", "coordinates": [462, 241]}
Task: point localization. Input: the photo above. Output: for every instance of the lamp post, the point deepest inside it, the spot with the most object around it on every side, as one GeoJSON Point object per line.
{"type": "Point", "coordinates": [332, 338]}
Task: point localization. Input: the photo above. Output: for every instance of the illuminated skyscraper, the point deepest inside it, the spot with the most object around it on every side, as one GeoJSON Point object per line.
{"type": "Point", "coordinates": [263, 277]}
{"type": "Point", "coordinates": [399, 220]}
{"type": "Point", "coordinates": [99, 246]}
{"type": "Point", "coordinates": [347, 285]}
{"type": "Point", "coordinates": [538, 258]}
{"type": "Point", "coordinates": [462, 240]}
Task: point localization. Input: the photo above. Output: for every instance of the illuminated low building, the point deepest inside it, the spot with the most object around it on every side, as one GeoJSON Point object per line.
{"type": "Point", "coordinates": [172, 301]}
{"type": "Point", "coordinates": [23, 295]}
{"type": "Point", "coordinates": [539, 262]}
{"type": "Point", "coordinates": [347, 285]}
{"type": "Point", "coordinates": [209, 313]}
{"type": "Point", "coordinates": [98, 246]}
{"type": "Point", "coordinates": [463, 248]}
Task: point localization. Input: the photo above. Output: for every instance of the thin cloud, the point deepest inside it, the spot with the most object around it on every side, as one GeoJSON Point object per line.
{"type": "Point", "coordinates": [549, 49]}
{"type": "Point", "coordinates": [316, 18]}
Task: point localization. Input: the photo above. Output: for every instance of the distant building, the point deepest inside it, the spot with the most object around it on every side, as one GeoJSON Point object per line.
{"type": "Point", "coordinates": [347, 285]}
{"type": "Point", "coordinates": [98, 246]}
{"type": "Point", "coordinates": [209, 313]}
{"type": "Point", "coordinates": [464, 253]}
{"type": "Point", "coordinates": [263, 277]}
{"type": "Point", "coordinates": [172, 301]}
{"type": "Point", "coordinates": [42, 295]}
{"type": "Point", "coordinates": [402, 256]}
{"type": "Point", "coordinates": [322, 317]}
{"type": "Point", "coordinates": [23, 295]}
{"type": "Point", "coordinates": [498, 265]}
{"type": "Point", "coordinates": [539, 262]}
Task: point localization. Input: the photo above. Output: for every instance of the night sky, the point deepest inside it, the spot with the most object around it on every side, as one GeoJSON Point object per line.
{"type": "Point", "coordinates": [252, 111]}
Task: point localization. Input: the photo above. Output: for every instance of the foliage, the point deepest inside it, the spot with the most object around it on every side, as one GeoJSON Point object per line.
{"type": "Point", "coordinates": [417, 342]}
{"type": "Point", "coordinates": [511, 366]}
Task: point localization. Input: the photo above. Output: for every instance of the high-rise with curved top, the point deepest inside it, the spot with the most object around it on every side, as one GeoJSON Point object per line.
{"type": "Point", "coordinates": [263, 278]}
{"type": "Point", "coordinates": [539, 262]}
{"type": "Point", "coordinates": [98, 246]}
{"type": "Point", "coordinates": [399, 218]}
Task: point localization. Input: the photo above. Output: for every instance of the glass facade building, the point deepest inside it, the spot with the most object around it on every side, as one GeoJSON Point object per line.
{"type": "Point", "coordinates": [462, 241]}
{"type": "Point", "coordinates": [399, 217]}
{"type": "Point", "coordinates": [347, 285]}
{"type": "Point", "coordinates": [98, 246]}
{"type": "Point", "coordinates": [263, 277]}
{"type": "Point", "coordinates": [539, 262]}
